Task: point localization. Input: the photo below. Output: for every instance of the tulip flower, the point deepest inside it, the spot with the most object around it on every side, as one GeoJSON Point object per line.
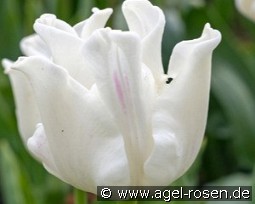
{"type": "Point", "coordinates": [247, 8]}
{"type": "Point", "coordinates": [95, 106]}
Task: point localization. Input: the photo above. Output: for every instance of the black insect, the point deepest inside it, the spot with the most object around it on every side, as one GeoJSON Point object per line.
{"type": "Point", "coordinates": [168, 81]}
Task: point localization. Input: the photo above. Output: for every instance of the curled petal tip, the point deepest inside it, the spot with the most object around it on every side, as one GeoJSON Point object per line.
{"type": "Point", "coordinates": [47, 19]}
{"type": "Point", "coordinates": [208, 28]}
{"type": "Point", "coordinates": [125, 3]}
{"type": "Point", "coordinates": [211, 35]}
{"type": "Point", "coordinates": [97, 10]}
{"type": "Point", "coordinates": [24, 64]}
{"type": "Point", "coordinates": [19, 62]}
{"type": "Point", "coordinates": [39, 125]}
{"type": "Point", "coordinates": [7, 65]}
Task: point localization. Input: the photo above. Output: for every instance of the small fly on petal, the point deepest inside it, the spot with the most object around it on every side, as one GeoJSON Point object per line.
{"type": "Point", "coordinates": [169, 80]}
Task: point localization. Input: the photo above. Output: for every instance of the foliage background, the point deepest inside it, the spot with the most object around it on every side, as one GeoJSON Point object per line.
{"type": "Point", "coordinates": [228, 153]}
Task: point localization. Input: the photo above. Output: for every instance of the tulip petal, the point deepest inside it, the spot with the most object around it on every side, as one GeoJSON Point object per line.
{"type": "Point", "coordinates": [116, 60]}
{"type": "Point", "coordinates": [83, 139]}
{"type": "Point", "coordinates": [26, 108]}
{"type": "Point", "coordinates": [39, 146]}
{"type": "Point", "coordinates": [182, 108]}
{"type": "Point", "coordinates": [64, 45]}
{"type": "Point", "coordinates": [96, 21]}
{"type": "Point", "coordinates": [246, 7]}
{"type": "Point", "coordinates": [34, 45]}
{"type": "Point", "coordinates": [148, 21]}
{"type": "Point", "coordinates": [52, 21]}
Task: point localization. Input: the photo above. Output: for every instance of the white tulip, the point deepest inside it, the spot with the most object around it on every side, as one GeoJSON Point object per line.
{"type": "Point", "coordinates": [104, 112]}
{"type": "Point", "coordinates": [246, 7]}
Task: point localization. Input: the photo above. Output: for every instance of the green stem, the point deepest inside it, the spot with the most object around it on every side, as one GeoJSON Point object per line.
{"type": "Point", "coordinates": [80, 197]}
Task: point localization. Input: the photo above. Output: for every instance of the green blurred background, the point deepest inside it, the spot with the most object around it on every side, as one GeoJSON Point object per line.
{"type": "Point", "coordinates": [228, 153]}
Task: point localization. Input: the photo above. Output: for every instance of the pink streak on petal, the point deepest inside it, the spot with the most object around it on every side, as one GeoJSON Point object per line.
{"type": "Point", "coordinates": [119, 89]}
